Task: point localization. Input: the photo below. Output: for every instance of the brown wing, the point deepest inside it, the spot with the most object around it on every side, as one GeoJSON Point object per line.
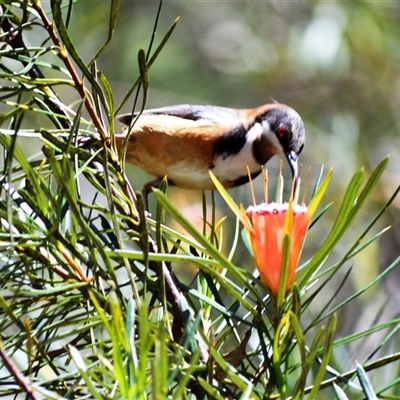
{"type": "Point", "coordinates": [182, 148]}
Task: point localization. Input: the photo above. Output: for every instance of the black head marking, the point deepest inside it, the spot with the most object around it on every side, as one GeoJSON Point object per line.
{"type": "Point", "coordinates": [287, 126]}
{"type": "Point", "coordinates": [283, 131]}
{"type": "Point", "coordinates": [231, 143]}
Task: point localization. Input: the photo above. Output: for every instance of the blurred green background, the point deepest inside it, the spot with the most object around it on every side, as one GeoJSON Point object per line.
{"type": "Point", "coordinates": [336, 63]}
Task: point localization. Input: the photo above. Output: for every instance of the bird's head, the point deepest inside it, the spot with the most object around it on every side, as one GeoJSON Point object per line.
{"type": "Point", "coordinates": [284, 127]}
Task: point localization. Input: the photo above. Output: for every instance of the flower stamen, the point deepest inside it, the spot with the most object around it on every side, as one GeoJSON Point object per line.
{"type": "Point", "coordinates": [280, 183]}
{"type": "Point", "coordinates": [265, 183]}
{"type": "Point", "coordinates": [308, 177]}
{"type": "Point", "coordinates": [253, 196]}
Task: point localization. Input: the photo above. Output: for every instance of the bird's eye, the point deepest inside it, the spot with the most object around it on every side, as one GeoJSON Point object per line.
{"type": "Point", "coordinates": [281, 131]}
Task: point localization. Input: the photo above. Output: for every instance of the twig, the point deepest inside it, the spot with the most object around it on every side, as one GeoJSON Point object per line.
{"type": "Point", "coordinates": [63, 54]}
{"type": "Point", "coordinates": [16, 373]}
{"type": "Point", "coordinates": [15, 40]}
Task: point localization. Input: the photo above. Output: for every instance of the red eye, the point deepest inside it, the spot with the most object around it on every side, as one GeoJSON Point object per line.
{"type": "Point", "coordinates": [281, 131]}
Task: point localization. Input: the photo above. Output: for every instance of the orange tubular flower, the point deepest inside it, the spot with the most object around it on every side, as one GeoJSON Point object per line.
{"type": "Point", "coordinates": [267, 225]}
{"type": "Point", "coordinates": [270, 224]}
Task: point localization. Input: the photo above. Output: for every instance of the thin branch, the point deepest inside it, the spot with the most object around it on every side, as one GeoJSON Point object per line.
{"type": "Point", "coordinates": [63, 54]}
{"type": "Point", "coordinates": [16, 373]}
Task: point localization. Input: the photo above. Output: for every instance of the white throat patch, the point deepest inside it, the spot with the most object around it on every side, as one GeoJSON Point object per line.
{"type": "Point", "coordinates": [234, 166]}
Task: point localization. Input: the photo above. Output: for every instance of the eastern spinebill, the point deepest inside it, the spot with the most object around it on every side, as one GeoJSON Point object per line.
{"type": "Point", "coordinates": [185, 142]}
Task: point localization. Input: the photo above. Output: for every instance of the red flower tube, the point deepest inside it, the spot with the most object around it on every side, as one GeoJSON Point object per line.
{"type": "Point", "coordinates": [270, 223]}
{"type": "Point", "coordinates": [267, 225]}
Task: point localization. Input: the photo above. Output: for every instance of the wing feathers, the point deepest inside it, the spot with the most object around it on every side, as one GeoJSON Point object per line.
{"type": "Point", "coordinates": [189, 112]}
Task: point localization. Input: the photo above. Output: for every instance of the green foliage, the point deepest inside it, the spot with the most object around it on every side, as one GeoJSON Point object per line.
{"type": "Point", "coordinates": [92, 301]}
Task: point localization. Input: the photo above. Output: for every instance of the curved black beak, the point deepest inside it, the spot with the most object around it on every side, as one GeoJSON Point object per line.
{"type": "Point", "coordinates": [291, 156]}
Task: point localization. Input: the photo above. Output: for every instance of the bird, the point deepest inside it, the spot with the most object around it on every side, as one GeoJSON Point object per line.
{"type": "Point", "coordinates": [184, 142]}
